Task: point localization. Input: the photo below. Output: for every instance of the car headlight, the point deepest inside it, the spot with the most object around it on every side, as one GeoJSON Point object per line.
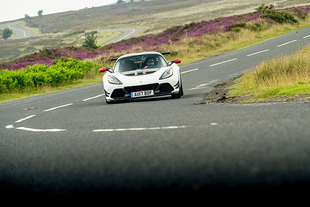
{"type": "Point", "coordinates": [168, 73]}
{"type": "Point", "coordinates": [113, 80]}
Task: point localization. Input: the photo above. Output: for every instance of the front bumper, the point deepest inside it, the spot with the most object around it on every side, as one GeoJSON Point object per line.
{"type": "Point", "coordinates": [159, 90]}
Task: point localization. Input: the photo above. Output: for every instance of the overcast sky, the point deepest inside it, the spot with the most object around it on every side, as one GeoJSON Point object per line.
{"type": "Point", "coordinates": [16, 9]}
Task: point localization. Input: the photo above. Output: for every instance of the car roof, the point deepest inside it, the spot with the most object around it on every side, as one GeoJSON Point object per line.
{"type": "Point", "coordinates": [138, 54]}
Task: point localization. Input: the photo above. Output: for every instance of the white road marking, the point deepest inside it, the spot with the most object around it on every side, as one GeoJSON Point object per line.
{"type": "Point", "coordinates": [87, 99]}
{"type": "Point", "coordinates": [28, 117]}
{"type": "Point", "coordinates": [226, 61]}
{"type": "Point", "coordinates": [256, 53]}
{"type": "Point", "coordinates": [306, 36]}
{"type": "Point", "coordinates": [188, 71]}
{"type": "Point", "coordinates": [204, 85]}
{"type": "Point", "coordinates": [287, 43]}
{"type": "Point", "coordinates": [9, 127]}
{"type": "Point", "coordinates": [40, 130]}
{"type": "Point", "coordinates": [213, 124]}
{"type": "Point", "coordinates": [139, 129]}
{"type": "Point", "coordinates": [57, 107]}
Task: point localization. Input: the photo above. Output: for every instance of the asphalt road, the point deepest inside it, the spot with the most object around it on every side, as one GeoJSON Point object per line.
{"type": "Point", "coordinates": [21, 32]}
{"type": "Point", "coordinates": [71, 143]}
{"type": "Point", "coordinates": [18, 31]}
{"type": "Point", "coordinates": [125, 34]}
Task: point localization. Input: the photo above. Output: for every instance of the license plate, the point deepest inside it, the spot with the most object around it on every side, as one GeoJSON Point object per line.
{"type": "Point", "coordinates": [142, 93]}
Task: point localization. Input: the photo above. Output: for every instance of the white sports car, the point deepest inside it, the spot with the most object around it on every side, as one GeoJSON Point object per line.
{"type": "Point", "coordinates": [142, 75]}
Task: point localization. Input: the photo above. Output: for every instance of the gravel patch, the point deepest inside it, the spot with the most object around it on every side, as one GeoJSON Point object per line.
{"type": "Point", "coordinates": [220, 95]}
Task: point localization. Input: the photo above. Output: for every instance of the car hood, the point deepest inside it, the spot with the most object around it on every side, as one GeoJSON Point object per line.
{"type": "Point", "coordinates": [139, 72]}
{"type": "Point", "coordinates": [140, 76]}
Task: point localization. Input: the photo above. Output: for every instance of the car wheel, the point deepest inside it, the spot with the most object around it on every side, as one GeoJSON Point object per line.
{"type": "Point", "coordinates": [178, 95]}
{"type": "Point", "coordinates": [108, 102]}
{"type": "Point", "coordinates": [182, 93]}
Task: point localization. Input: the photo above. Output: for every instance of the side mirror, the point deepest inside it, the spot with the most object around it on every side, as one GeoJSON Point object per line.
{"type": "Point", "coordinates": [177, 61]}
{"type": "Point", "coordinates": [102, 70]}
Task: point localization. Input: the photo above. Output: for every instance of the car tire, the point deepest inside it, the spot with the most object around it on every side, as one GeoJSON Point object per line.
{"type": "Point", "coordinates": [178, 95]}
{"type": "Point", "coordinates": [182, 93]}
{"type": "Point", "coordinates": [108, 102]}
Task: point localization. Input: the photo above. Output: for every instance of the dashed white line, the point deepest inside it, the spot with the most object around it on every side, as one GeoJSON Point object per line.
{"type": "Point", "coordinates": [204, 85]}
{"type": "Point", "coordinates": [226, 61]}
{"type": "Point", "coordinates": [40, 130]}
{"type": "Point", "coordinates": [213, 124]}
{"type": "Point", "coordinates": [256, 53]}
{"type": "Point", "coordinates": [139, 129]}
{"type": "Point", "coordinates": [87, 99]}
{"type": "Point", "coordinates": [9, 127]}
{"type": "Point", "coordinates": [28, 117]}
{"type": "Point", "coordinates": [188, 71]}
{"type": "Point", "coordinates": [287, 43]}
{"type": "Point", "coordinates": [306, 36]}
{"type": "Point", "coordinates": [58, 107]}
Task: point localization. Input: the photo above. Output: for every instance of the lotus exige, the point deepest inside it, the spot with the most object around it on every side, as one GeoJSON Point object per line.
{"type": "Point", "coordinates": [142, 75]}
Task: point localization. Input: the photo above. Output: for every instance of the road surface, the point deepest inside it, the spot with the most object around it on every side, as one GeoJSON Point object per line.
{"type": "Point", "coordinates": [73, 143]}
{"type": "Point", "coordinates": [18, 31]}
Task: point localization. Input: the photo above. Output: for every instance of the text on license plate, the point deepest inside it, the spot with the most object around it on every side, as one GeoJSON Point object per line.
{"type": "Point", "coordinates": [142, 93]}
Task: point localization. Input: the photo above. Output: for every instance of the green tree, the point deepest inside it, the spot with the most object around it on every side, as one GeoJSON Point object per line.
{"type": "Point", "coordinates": [90, 40]}
{"type": "Point", "coordinates": [7, 33]}
{"type": "Point", "coordinates": [40, 13]}
{"type": "Point", "coordinates": [27, 18]}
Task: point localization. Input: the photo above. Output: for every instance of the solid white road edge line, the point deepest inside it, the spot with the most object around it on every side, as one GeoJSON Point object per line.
{"type": "Point", "coordinates": [226, 61]}
{"type": "Point", "coordinates": [188, 71]}
{"type": "Point", "coordinates": [287, 43]}
{"type": "Point", "coordinates": [256, 53]}
{"type": "Point", "coordinates": [87, 99]}
{"type": "Point", "coordinates": [57, 107]}
{"type": "Point", "coordinates": [139, 129]}
{"type": "Point", "coordinates": [40, 130]}
{"type": "Point", "coordinates": [28, 117]}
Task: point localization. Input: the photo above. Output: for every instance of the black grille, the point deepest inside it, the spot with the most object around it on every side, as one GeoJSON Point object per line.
{"type": "Point", "coordinates": [165, 87]}
{"type": "Point", "coordinates": [142, 88]}
{"type": "Point", "coordinates": [118, 93]}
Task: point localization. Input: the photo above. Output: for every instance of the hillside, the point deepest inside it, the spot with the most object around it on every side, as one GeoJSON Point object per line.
{"type": "Point", "coordinates": [155, 16]}
{"type": "Point", "coordinates": [190, 42]}
{"type": "Point", "coordinates": [66, 28]}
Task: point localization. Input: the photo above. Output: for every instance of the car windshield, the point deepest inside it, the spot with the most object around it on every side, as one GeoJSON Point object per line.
{"type": "Point", "coordinates": [140, 62]}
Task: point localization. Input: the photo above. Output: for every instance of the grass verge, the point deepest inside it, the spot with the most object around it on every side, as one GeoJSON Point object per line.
{"type": "Point", "coordinates": [6, 97]}
{"type": "Point", "coordinates": [281, 77]}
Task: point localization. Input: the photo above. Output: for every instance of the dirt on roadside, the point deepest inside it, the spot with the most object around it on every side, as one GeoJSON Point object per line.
{"type": "Point", "coordinates": [220, 95]}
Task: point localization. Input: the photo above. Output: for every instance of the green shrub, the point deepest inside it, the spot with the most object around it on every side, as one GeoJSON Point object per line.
{"type": "Point", "coordinates": [7, 33]}
{"type": "Point", "coordinates": [278, 16]}
{"type": "Point", "coordinates": [90, 40]}
{"type": "Point", "coordinates": [281, 17]}
{"type": "Point", "coordinates": [35, 76]}
{"type": "Point", "coordinates": [260, 8]}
